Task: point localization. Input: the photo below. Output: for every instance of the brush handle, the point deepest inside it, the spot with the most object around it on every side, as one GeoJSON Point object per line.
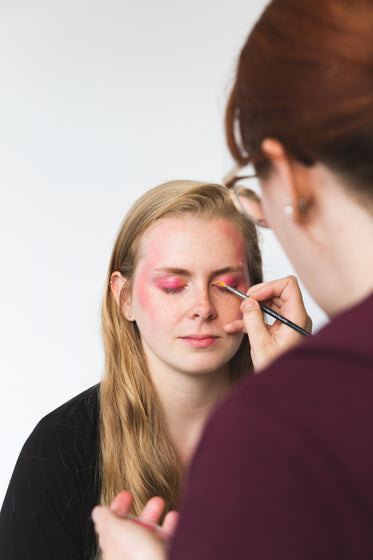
{"type": "Point", "coordinates": [267, 310]}
{"type": "Point", "coordinates": [283, 319]}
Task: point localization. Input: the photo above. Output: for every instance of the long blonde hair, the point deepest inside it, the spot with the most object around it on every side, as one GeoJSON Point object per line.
{"type": "Point", "coordinates": [136, 453]}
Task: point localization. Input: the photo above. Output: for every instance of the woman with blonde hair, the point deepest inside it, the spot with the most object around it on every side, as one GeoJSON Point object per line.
{"type": "Point", "coordinates": [129, 403]}
{"type": "Point", "coordinates": [169, 359]}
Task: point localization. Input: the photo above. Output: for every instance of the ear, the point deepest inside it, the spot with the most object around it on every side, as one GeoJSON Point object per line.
{"type": "Point", "coordinates": [295, 180]}
{"type": "Point", "coordinates": [117, 284]}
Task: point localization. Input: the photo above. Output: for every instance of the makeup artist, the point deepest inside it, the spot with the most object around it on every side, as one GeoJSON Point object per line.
{"type": "Point", "coordinates": [168, 362]}
{"type": "Point", "coordinates": [284, 468]}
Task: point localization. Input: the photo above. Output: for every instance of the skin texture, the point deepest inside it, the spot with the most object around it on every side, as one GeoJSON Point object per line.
{"type": "Point", "coordinates": [179, 311]}
{"type": "Point", "coordinates": [181, 316]}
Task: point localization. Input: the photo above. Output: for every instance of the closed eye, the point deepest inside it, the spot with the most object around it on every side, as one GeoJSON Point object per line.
{"type": "Point", "coordinates": [172, 290]}
{"type": "Point", "coordinates": [220, 288]}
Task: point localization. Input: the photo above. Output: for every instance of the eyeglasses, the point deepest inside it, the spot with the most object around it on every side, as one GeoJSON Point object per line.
{"type": "Point", "coordinates": [246, 195]}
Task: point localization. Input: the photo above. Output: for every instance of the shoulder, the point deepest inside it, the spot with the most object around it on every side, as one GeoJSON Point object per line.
{"type": "Point", "coordinates": [61, 450]}
{"type": "Point", "coordinates": [67, 434]}
{"type": "Point", "coordinates": [54, 485]}
{"type": "Point", "coordinates": [316, 388]}
{"type": "Point", "coordinates": [339, 355]}
{"type": "Point", "coordinates": [75, 414]}
{"type": "Point", "coordinates": [297, 433]}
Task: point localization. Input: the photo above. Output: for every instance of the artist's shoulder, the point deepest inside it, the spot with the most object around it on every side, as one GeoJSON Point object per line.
{"type": "Point", "coordinates": [303, 381]}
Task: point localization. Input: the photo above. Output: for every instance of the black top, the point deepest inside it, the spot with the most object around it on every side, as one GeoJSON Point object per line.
{"type": "Point", "coordinates": [53, 489]}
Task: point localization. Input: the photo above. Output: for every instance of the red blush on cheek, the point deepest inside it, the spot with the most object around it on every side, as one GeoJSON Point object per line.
{"type": "Point", "coordinates": [144, 294]}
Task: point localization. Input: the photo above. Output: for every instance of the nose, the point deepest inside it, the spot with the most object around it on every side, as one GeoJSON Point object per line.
{"type": "Point", "coordinates": [203, 307]}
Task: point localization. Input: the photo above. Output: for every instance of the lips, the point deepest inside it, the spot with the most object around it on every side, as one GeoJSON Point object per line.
{"type": "Point", "coordinates": [200, 341]}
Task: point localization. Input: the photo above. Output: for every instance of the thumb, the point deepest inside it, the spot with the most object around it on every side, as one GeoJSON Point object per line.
{"type": "Point", "coordinates": [257, 331]}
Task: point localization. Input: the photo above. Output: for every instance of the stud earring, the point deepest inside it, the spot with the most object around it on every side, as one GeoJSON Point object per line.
{"type": "Point", "coordinates": [302, 206]}
{"type": "Point", "coordinates": [288, 208]}
{"type": "Point", "coordinates": [130, 315]}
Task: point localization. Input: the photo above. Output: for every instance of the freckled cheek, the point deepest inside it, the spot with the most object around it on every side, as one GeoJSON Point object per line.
{"type": "Point", "coordinates": [155, 307]}
{"type": "Point", "coordinates": [229, 309]}
{"type": "Point", "coordinates": [230, 304]}
{"type": "Point", "coordinates": [147, 303]}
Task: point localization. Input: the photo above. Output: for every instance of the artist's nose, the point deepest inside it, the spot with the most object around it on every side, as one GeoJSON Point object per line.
{"type": "Point", "coordinates": [203, 306]}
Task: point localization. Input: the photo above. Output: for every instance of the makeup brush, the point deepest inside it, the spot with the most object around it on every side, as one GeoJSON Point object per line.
{"type": "Point", "coordinates": [266, 309]}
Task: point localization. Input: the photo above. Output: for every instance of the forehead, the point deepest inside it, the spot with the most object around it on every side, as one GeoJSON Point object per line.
{"type": "Point", "coordinates": [192, 239]}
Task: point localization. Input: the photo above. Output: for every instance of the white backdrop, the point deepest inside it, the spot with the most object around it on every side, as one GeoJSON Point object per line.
{"type": "Point", "coordinates": [99, 101]}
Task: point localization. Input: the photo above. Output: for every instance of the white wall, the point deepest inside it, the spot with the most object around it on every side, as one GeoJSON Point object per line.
{"type": "Point", "coordinates": [99, 101]}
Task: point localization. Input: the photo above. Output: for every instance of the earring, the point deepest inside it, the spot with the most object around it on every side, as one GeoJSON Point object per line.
{"type": "Point", "coordinates": [288, 208]}
{"type": "Point", "coordinates": [130, 315]}
{"type": "Point", "coordinates": [301, 205]}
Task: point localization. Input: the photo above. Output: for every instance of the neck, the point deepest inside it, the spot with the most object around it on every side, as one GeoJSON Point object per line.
{"type": "Point", "coordinates": [348, 231]}
{"type": "Point", "coordinates": [353, 254]}
{"type": "Point", "coordinates": [337, 245]}
{"type": "Point", "coordinates": [187, 401]}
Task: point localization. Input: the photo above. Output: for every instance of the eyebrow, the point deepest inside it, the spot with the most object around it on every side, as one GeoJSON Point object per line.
{"type": "Point", "coordinates": [185, 272]}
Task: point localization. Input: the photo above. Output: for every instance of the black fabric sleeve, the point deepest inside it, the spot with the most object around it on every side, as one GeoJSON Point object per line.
{"type": "Point", "coordinates": [46, 511]}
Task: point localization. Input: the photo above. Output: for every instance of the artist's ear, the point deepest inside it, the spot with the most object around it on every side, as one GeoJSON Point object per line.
{"type": "Point", "coordinates": [293, 179]}
{"type": "Point", "coordinates": [117, 284]}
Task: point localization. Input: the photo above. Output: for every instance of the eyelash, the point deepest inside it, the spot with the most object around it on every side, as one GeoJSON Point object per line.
{"type": "Point", "coordinates": [181, 288]}
{"type": "Point", "coordinates": [173, 290]}
{"type": "Point", "coordinates": [231, 283]}
{"type": "Point", "coordinates": [222, 290]}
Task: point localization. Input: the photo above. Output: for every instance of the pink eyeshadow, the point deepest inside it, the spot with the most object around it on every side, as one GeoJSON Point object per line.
{"type": "Point", "coordinates": [170, 283]}
{"type": "Point", "coordinates": [230, 280]}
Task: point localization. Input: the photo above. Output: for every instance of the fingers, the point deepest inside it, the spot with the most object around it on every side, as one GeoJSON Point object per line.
{"type": "Point", "coordinates": [268, 341]}
{"type": "Point", "coordinates": [120, 539]}
{"type": "Point", "coordinates": [102, 518]}
{"type": "Point", "coordinates": [100, 515]}
{"type": "Point", "coordinates": [170, 522]}
{"type": "Point", "coordinates": [235, 327]}
{"type": "Point", "coordinates": [261, 341]}
{"type": "Point", "coordinates": [122, 503]}
{"type": "Point", "coordinates": [153, 510]}
{"type": "Point", "coordinates": [284, 296]}
{"type": "Point", "coordinates": [283, 289]}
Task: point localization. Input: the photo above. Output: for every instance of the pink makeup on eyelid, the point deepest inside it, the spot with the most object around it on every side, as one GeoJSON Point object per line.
{"type": "Point", "coordinates": [230, 280]}
{"type": "Point", "coordinates": [170, 283]}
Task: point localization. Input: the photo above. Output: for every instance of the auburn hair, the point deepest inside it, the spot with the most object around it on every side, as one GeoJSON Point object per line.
{"type": "Point", "coordinates": [305, 78]}
{"type": "Point", "coordinates": [136, 453]}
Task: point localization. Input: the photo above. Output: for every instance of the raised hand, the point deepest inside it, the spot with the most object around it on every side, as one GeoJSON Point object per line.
{"type": "Point", "coordinates": [269, 341]}
{"type": "Point", "coordinates": [125, 538]}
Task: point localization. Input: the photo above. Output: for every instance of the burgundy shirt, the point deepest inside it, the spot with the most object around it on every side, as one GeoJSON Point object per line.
{"type": "Point", "coordinates": [285, 467]}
